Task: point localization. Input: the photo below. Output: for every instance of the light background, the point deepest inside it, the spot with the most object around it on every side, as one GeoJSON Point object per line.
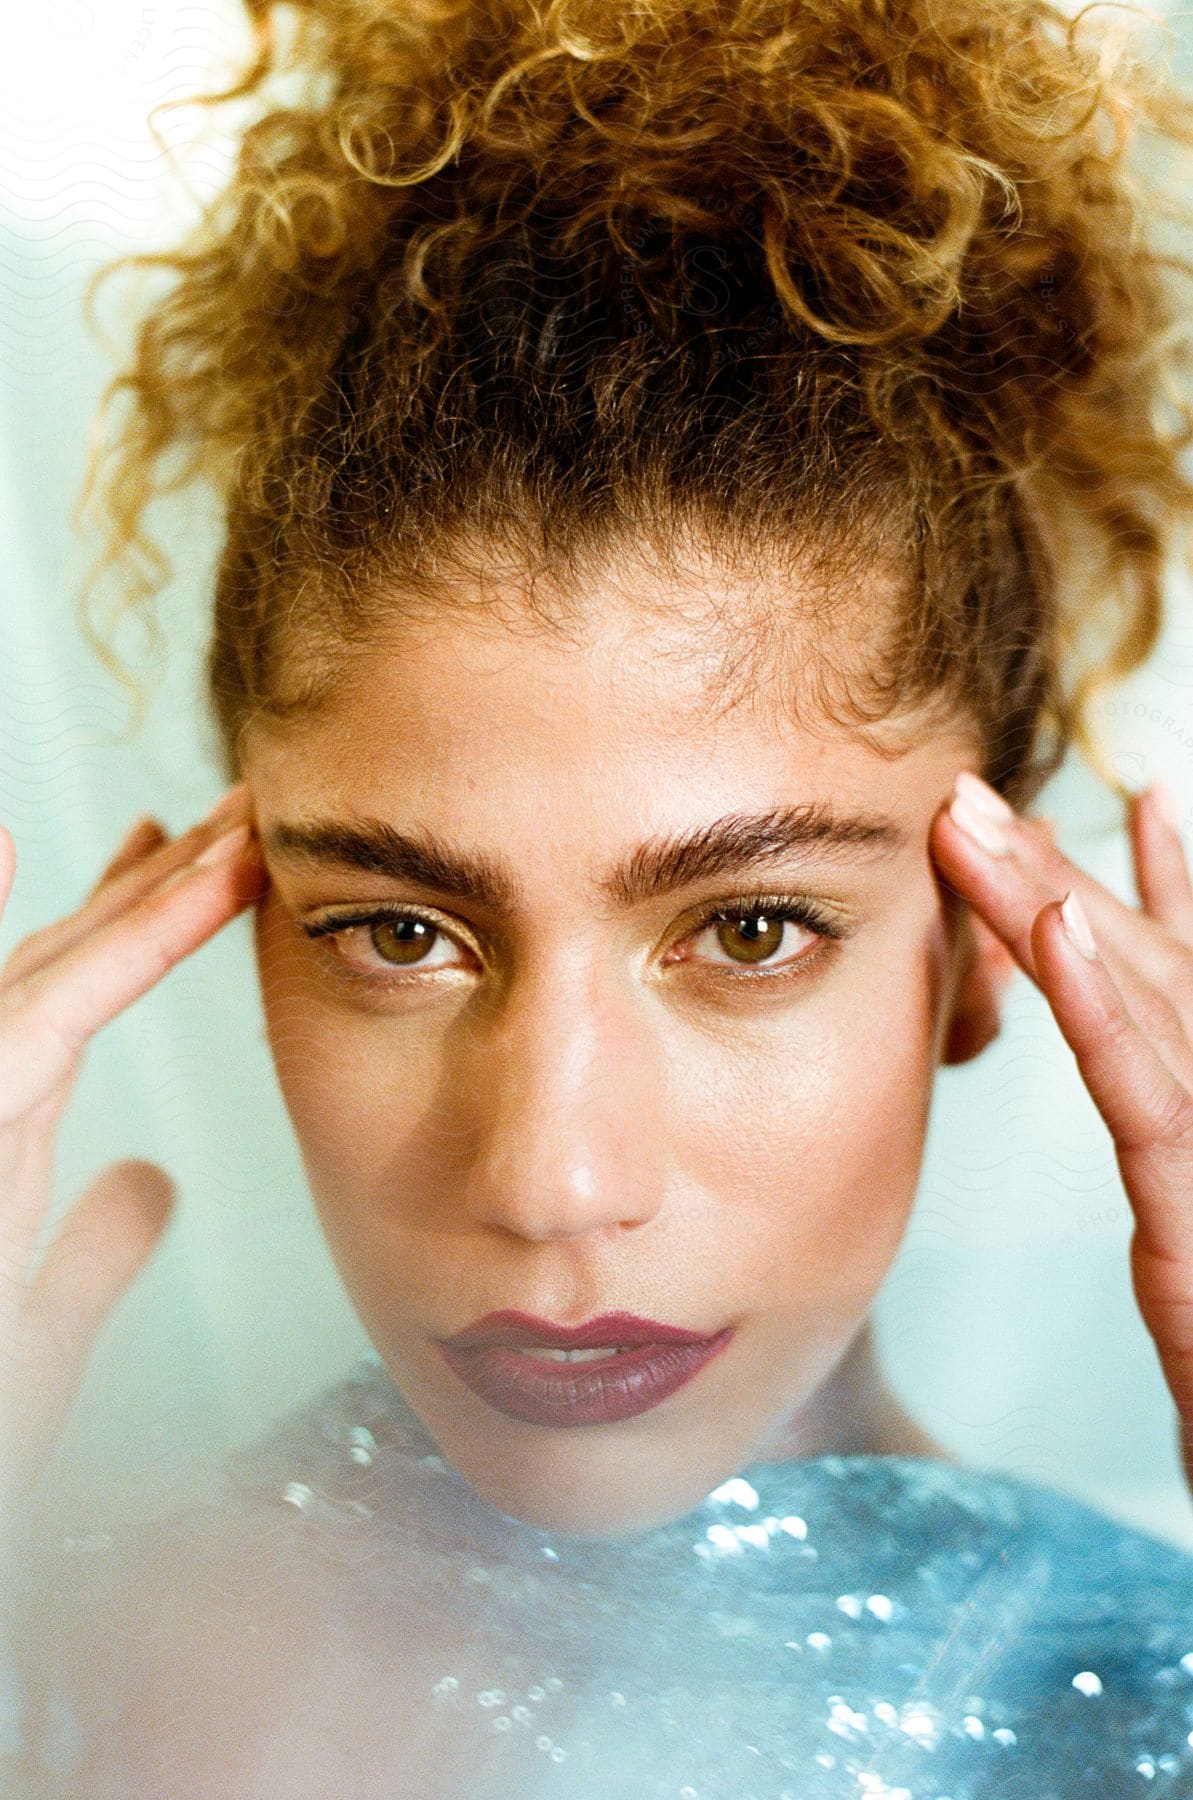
{"type": "Point", "coordinates": [1007, 1323]}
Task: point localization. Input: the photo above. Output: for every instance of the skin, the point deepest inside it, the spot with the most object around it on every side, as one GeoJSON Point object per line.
{"type": "Point", "coordinates": [562, 1121]}
{"type": "Point", "coordinates": [580, 1110]}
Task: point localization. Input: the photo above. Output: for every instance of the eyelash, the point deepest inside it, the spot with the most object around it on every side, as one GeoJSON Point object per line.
{"type": "Point", "coordinates": [794, 908]}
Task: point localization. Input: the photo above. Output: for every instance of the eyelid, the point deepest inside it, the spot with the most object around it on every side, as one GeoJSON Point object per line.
{"type": "Point", "coordinates": [825, 917]}
{"type": "Point", "coordinates": [383, 912]}
{"type": "Point", "coordinates": [801, 910]}
{"type": "Point", "coordinates": [826, 921]}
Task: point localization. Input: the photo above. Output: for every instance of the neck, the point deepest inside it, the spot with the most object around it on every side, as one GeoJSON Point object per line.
{"type": "Point", "coordinates": [853, 1413]}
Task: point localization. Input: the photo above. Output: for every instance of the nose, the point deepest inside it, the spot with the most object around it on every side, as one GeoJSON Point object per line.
{"type": "Point", "coordinates": [570, 1139]}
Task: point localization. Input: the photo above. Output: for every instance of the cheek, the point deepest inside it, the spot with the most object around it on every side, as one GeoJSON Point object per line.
{"type": "Point", "coordinates": [358, 1089]}
{"type": "Point", "coordinates": [803, 1127]}
{"type": "Point", "coordinates": [812, 1132]}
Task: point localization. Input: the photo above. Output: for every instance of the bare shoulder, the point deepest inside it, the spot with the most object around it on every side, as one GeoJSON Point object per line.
{"type": "Point", "coordinates": [185, 1658]}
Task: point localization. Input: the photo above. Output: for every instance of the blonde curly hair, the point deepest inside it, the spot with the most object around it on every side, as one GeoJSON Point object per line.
{"type": "Point", "coordinates": [506, 285]}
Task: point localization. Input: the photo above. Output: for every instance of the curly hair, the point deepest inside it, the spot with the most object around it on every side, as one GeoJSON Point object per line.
{"type": "Point", "coordinates": [498, 288]}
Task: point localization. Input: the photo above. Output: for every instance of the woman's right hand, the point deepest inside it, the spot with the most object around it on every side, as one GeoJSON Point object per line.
{"type": "Point", "coordinates": [154, 903]}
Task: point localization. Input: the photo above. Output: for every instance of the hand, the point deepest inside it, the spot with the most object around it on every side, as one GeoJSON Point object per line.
{"type": "Point", "coordinates": [1119, 980]}
{"type": "Point", "coordinates": [153, 905]}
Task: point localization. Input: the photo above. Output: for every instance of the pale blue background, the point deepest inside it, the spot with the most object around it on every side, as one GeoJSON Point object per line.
{"type": "Point", "coordinates": [1008, 1322]}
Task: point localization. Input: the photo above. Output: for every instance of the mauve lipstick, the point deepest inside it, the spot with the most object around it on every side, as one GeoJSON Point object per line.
{"type": "Point", "coordinates": [495, 1358]}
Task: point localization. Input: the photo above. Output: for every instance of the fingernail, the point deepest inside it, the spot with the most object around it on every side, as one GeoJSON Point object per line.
{"type": "Point", "coordinates": [1164, 799]}
{"type": "Point", "coordinates": [229, 804]}
{"type": "Point", "coordinates": [227, 845]}
{"type": "Point", "coordinates": [984, 829]}
{"type": "Point", "coordinates": [1077, 925]}
{"type": "Point", "coordinates": [988, 801]}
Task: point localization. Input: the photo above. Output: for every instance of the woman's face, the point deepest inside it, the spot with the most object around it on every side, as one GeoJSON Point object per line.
{"type": "Point", "coordinates": [543, 1082]}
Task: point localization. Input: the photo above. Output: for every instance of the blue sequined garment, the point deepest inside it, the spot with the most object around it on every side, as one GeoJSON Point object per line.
{"type": "Point", "coordinates": [354, 1622]}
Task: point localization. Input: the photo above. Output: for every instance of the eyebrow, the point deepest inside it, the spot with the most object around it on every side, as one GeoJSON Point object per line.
{"type": "Point", "coordinates": [658, 866]}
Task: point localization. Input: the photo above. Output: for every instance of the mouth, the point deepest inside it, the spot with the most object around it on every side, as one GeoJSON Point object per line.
{"type": "Point", "coordinates": [610, 1368]}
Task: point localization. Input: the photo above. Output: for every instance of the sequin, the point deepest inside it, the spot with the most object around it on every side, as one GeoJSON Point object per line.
{"type": "Point", "coordinates": [841, 1628]}
{"type": "Point", "coordinates": [362, 1446]}
{"type": "Point", "coordinates": [735, 1492]}
{"type": "Point", "coordinates": [921, 1725]}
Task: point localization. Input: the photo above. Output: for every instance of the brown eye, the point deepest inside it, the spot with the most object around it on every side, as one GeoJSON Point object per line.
{"type": "Point", "coordinates": [402, 941]}
{"type": "Point", "coordinates": [752, 938]}
{"type": "Point", "coordinates": [769, 935]}
{"type": "Point", "coordinates": [368, 943]}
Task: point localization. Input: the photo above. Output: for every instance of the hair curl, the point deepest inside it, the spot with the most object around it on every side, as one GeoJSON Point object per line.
{"type": "Point", "coordinates": [502, 285]}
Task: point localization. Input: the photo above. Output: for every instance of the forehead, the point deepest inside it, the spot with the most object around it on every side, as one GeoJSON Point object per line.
{"type": "Point", "coordinates": [631, 695]}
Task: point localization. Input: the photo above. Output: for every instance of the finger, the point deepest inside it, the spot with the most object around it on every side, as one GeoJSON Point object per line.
{"type": "Point", "coordinates": [1150, 1116]}
{"type": "Point", "coordinates": [1042, 828]}
{"type": "Point", "coordinates": [145, 835]}
{"type": "Point", "coordinates": [38, 1071]}
{"type": "Point", "coordinates": [1148, 1111]}
{"type": "Point", "coordinates": [1008, 872]}
{"type": "Point", "coordinates": [115, 892]}
{"type": "Point", "coordinates": [1007, 893]}
{"type": "Point", "coordinates": [104, 1242]}
{"type": "Point", "coordinates": [27, 1148]}
{"type": "Point", "coordinates": [100, 1247]}
{"type": "Point", "coordinates": [1161, 868]}
{"type": "Point", "coordinates": [8, 864]}
{"type": "Point", "coordinates": [47, 1016]}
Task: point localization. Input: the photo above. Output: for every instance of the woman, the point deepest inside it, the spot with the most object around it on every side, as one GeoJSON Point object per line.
{"type": "Point", "coordinates": [668, 456]}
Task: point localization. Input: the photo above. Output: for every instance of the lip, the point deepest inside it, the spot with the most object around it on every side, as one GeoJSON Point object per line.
{"type": "Point", "coordinates": [493, 1358]}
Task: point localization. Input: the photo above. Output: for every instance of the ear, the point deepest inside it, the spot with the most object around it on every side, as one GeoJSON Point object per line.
{"type": "Point", "coordinates": [985, 968]}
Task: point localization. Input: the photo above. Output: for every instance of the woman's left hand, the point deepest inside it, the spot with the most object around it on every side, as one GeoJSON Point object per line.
{"type": "Point", "coordinates": [1119, 980]}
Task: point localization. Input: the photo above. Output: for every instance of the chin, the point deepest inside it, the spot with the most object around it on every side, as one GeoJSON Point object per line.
{"type": "Point", "coordinates": [597, 1481]}
{"type": "Point", "coordinates": [592, 1482]}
